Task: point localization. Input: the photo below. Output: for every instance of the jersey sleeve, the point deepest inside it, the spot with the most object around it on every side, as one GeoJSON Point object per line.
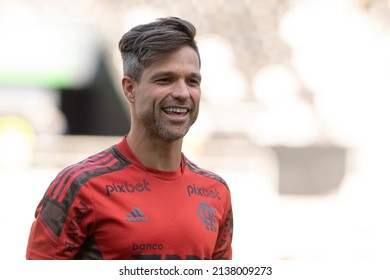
{"type": "Point", "coordinates": [63, 221]}
{"type": "Point", "coordinates": [223, 248]}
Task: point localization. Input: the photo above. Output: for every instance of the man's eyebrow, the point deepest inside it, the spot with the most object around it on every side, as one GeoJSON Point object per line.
{"type": "Point", "coordinates": [162, 73]}
{"type": "Point", "coordinates": [196, 75]}
{"type": "Point", "coordinates": [171, 73]}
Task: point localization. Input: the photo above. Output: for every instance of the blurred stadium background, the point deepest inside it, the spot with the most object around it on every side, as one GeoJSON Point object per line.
{"type": "Point", "coordinates": [294, 113]}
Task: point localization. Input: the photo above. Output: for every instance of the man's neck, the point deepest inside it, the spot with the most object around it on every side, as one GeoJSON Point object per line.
{"type": "Point", "coordinates": [155, 152]}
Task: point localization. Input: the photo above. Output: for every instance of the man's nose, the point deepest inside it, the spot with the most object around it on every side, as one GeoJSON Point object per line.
{"type": "Point", "coordinates": [181, 90]}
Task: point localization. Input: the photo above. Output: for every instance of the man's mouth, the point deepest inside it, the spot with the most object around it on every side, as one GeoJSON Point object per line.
{"type": "Point", "coordinates": [175, 110]}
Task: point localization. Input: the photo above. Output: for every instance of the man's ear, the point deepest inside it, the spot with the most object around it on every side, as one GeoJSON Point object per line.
{"type": "Point", "coordinates": [128, 86]}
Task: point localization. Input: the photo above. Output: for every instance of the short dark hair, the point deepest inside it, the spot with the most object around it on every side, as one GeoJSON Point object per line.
{"type": "Point", "coordinates": [146, 43]}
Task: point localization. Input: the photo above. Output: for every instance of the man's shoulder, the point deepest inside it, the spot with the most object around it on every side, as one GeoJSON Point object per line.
{"type": "Point", "coordinates": [205, 172]}
{"type": "Point", "coordinates": [106, 161]}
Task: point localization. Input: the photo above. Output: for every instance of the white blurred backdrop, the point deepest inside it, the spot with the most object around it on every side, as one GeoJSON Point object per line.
{"type": "Point", "coordinates": [294, 113]}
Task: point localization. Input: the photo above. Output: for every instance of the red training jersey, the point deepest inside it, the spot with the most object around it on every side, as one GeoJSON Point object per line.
{"type": "Point", "coordinates": [110, 206]}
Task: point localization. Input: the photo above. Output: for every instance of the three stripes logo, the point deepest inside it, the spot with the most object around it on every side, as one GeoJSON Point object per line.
{"type": "Point", "coordinates": [136, 215]}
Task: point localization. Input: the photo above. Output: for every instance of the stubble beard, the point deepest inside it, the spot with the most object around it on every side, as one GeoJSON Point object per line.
{"type": "Point", "coordinates": [167, 132]}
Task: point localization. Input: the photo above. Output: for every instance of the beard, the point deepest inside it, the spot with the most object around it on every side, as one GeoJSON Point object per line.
{"type": "Point", "coordinates": [167, 131]}
{"type": "Point", "coordinates": [170, 134]}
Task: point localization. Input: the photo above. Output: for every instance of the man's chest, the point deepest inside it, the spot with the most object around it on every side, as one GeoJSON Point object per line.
{"type": "Point", "coordinates": [149, 219]}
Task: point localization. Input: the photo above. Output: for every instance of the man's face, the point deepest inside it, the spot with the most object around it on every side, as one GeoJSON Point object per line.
{"type": "Point", "coordinates": [167, 96]}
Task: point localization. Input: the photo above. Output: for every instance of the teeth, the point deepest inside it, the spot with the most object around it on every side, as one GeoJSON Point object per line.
{"type": "Point", "coordinates": [175, 110]}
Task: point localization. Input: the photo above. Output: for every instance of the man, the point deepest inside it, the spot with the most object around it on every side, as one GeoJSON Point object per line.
{"type": "Point", "coordinates": [142, 198]}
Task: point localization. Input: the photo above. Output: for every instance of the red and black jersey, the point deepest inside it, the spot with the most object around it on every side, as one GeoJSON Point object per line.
{"type": "Point", "coordinates": [110, 206]}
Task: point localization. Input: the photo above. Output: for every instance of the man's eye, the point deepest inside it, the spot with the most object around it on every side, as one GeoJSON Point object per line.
{"type": "Point", "coordinates": [163, 81]}
{"type": "Point", "coordinates": [194, 82]}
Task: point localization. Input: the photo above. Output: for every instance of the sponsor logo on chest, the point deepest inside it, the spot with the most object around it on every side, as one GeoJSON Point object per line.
{"type": "Point", "coordinates": [203, 192]}
{"type": "Point", "coordinates": [128, 188]}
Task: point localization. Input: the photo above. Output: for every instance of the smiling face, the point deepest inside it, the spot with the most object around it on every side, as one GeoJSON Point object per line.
{"type": "Point", "coordinates": [165, 101]}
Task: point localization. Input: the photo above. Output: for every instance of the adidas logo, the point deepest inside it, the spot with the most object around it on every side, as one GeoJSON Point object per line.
{"type": "Point", "coordinates": [136, 215]}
